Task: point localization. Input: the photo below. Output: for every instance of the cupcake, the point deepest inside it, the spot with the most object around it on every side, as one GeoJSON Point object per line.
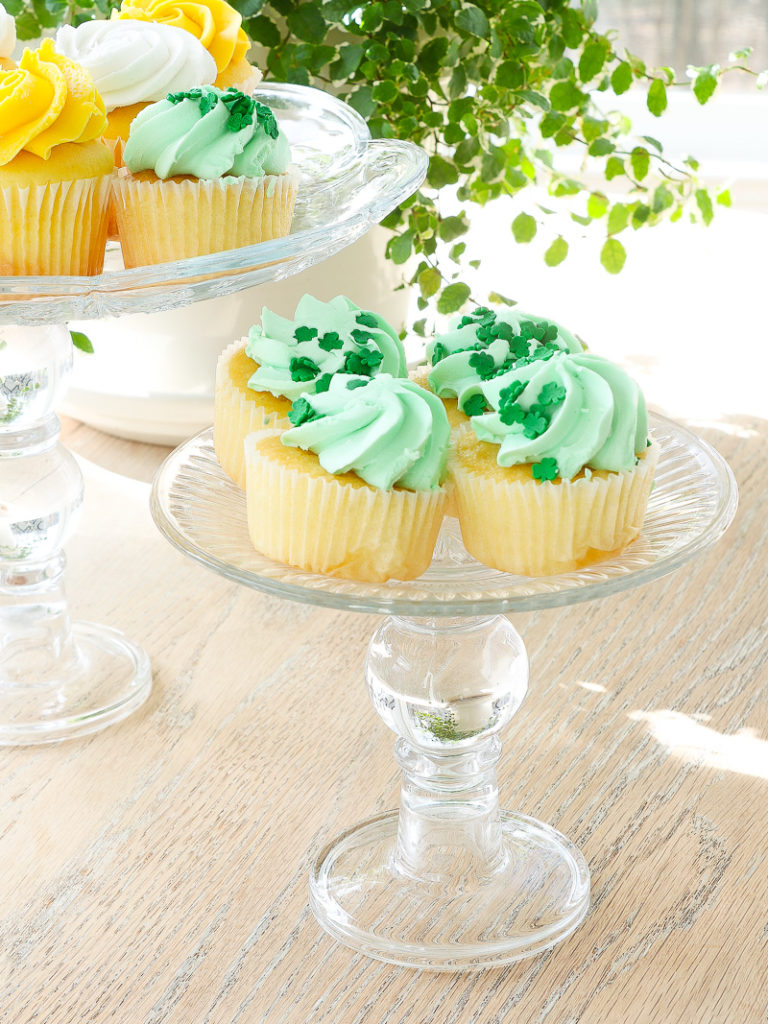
{"type": "Point", "coordinates": [356, 487]}
{"type": "Point", "coordinates": [7, 40]}
{"type": "Point", "coordinates": [480, 346]}
{"type": "Point", "coordinates": [557, 475]}
{"type": "Point", "coordinates": [205, 171]}
{"type": "Point", "coordinates": [215, 23]}
{"type": "Point", "coordinates": [133, 64]}
{"type": "Point", "coordinates": [55, 173]}
{"type": "Point", "coordinates": [258, 378]}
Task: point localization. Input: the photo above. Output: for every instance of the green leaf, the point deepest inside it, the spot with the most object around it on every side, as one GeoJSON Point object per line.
{"type": "Point", "coordinates": [473, 20]}
{"type": "Point", "coordinates": [565, 96]}
{"type": "Point", "coordinates": [535, 98]}
{"type": "Point", "coordinates": [348, 61]}
{"type": "Point", "coordinates": [652, 142]}
{"type": "Point", "coordinates": [597, 205]}
{"type": "Point", "coordinates": [429, 282]}
{"type": "Point", "coordinates": [705, 83]}
{"type": "Point", "coordinates": [263, 31]}
{"type": "Point", "coordinates": [572, 28]}
{"type": "Point", "coordinates": [27, 26]}
{"type": "Point", "coordinates": [591, 61]}
{"type": "Point", "coordinates": [641, 162]}
{"type": "Point", "coordinates": [662, 199]}
{"type": "Point", "coordinates": [601, 147]}
{"type": "Point", "coordinates": [723, 198]}
{"type": "Point", "coordinates": [618, 218]}
{"type": "Point", "coordinates": [497, 299]}
{"type": "Point", "coordinates": [453, 297]}
{"type": "Point", "coordinates": [614, 168]}
{"type": "Point", "coordinates": [362, 100]}
{"type": "Point", "coordinates": [509, 75]}
{"type": "Point", "coordinates": [621, 79]}
{"type": "Point", "coordinates": [524, 227]}
{"type": "Point", "coordinates": [704, 203]}
{"type": "Point", "coordinates": [657, 97]}
{"type": "Point", "coordinates": [385, 92]}
{"type": "Point", "coordinates": [306, 22]}
{"type": "Point", "coordinates": [419, 327]}
{"type": "Point", "coordinates": [457, 82]}
{"type": "Point", "coordinates": [452, 227]}
{"type": "Point", "coordinates": [556, 253]}
{"type": "Point", "coordinates": [441, 172]}
{"type": "Point", "coordinates": [400, 247]}
{"type": "Point", "coordinates": [81, 341]}
{"type": "Point", "coordinates": [613, 256]}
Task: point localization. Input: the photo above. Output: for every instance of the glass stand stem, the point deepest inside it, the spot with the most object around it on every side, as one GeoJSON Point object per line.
{"type": "Point", "coordinates": [57, 679]}
{"type": "Point", "coordinates": [449, 882]}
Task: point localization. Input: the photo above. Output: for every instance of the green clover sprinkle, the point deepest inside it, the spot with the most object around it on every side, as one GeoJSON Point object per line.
{"type": "Point", "coordinates": [330, 341]}
{"type": "Point", "coordinates": [323, 383]}
{"type": "Point", "coordinates": [483, 363]}
{"type": "Point", "coordinates": [362, 337]}
{"type": "Point", "coordinates": [240, 108]}
{"type": "Point", "coordinates": [550, 334]}
{"type": "Point", "coordinates": [267, 120]}
{"type": "Point", "coordinates": [439, 352]}
{"type": "Point", "coordinates": [551, 394]}
{"type": "Point", "coordinates": [512, 413]}
{"type": "Point", "coordinates": [501, 329]}
{"type": "Point", "coordinates": [512, 392]}
{"type": "Point", "coordinates": [519, 347]}
{"type": "Point", "coordinates": [475, 405]}
{"type": "Point", "coordinates": [352, 384]}
{"type": "Point", "coordinates": [367, 319]}
{"type": "Point", "coordinates": [362, 363]}
{"type": "Point", "coordinates": [305, 333]}
{"type": "Point", "coordinates": [545, 470]}
{"type": "Point", "coordinates": [303, 369]}
{"type": "Point", "coordinates": [301, 412]}
{"type": "Point", "coordinates": [534, 424]}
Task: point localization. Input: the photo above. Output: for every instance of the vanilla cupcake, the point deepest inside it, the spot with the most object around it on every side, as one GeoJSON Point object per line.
{"type": "Point", "coordinates": [7, 40]}
{"type": "Point", "coordinates": [356, 487]}
{"type": "Point", "coordinates": [482, 345]}
{"type": "Point", "coordinates": [258, 378]}
{"type": "Point", "coordinates": [558, 474]}
{"type": "Point", "coordinates": [55, 173]}
{"type": "Point", "coordinates": [135, 63]}
{"type": "Point", "coordinates": [205, 171]}
{"type": "Point", "coordinates": [216, 24]}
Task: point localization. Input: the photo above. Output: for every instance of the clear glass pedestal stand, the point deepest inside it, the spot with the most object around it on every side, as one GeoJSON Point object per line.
{"type": "Point", "coordinates": [58, 680]}
{"type": "Point", "coordinates": [450, 881]}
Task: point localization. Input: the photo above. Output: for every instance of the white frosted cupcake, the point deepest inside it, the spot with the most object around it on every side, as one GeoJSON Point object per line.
{"type": "Point", "coordinates": [7, 40]}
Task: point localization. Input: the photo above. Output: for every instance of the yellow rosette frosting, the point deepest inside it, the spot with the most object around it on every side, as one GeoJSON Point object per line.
{"type": "Point", "coordinates": [214, 22]}
{"type": "Point", "coordinates": [45, 102]}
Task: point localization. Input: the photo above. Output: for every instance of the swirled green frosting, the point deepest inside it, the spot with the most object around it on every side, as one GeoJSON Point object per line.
{"type": "Point", "coordinates": [565, 413]}
{"type": "Point", "coordinates": [324, 338]}
{"type": "Point", "coordinates": [385, 429]}
{"type": "Point", "coordinates": [207, 133]}
{"type": "Point", "coordinates": [486, 343]}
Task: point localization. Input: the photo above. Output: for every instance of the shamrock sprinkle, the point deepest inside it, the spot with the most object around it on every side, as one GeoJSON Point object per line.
{"type": "Point", "coordinates": [352, 384]}
{"type": "Point", "coordinates": [330, 341]}
{"type": "Point", "coordinates": [545, 470]}
{"type": "Point", "coordinates": [551, 394]}
{"type": "Point", "coordinates": [519, 347]}
{"type": "Point", "coordinates": [501, 329]}
{"type": "Point", "coordinates": [483, 363]}
{"type": "Point", "coordinates": [367, 319]}
{"type": "Point", "coordinates": [512, 413]}
{"type": "Point", "coordinates": [510, 393]}
{"type": "Point", "coordinates": [240, 109]}
{"type": "Point", "coordinates": [362, 363]}
{"type": "Point", "coordinates": [534, 424]}
{"type": "Point", "coordinates": [439, 352]}
{"type": "Point", "coordinates": [304, 333]}
{"type": "Point", "coordinates": [303, 369]}
{"type": "Point", "coordinates": [475, 405]}
{"type": "Point", "coordinates": [323, 383]}
{"type": "Point", "coordinates": [266, 119]}
{"type": "Point", "coordinates": [301, 412]}
{"type": "Point", "coordinates": [362, 337]}
{"type": "Point", "coordinates": [206, 99]}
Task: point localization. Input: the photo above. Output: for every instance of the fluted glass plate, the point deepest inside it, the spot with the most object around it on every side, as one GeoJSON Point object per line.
{"type": "Point", "coordinates": [198, 508]}
{"type": "Point", "coordinates": [349, 182]}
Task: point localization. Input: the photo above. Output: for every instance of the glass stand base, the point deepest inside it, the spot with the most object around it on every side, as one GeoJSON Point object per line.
{"type": "Point", "coordinates": [100, 681]}
{"type": "Point", "coordinates": [533, 898]}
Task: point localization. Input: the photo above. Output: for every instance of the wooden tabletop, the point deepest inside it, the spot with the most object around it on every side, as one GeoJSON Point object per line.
{"type": "Point", "coordinates": [157, 872]}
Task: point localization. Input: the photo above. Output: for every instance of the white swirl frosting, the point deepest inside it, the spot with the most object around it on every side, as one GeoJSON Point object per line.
{"type": "Point", "coordinates": [137, 61]}
{"type": "Point", "coordinates": [7, 33]}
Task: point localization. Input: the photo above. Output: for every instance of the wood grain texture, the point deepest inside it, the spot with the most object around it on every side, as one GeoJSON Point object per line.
{"type": "Point", "coordinates": [157, 872]}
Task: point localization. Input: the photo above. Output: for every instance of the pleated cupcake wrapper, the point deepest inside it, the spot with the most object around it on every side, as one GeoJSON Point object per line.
{"type": "Point", "coordinates": [324, 525]}
{"type": "Point", "coordinates": [235, 417]}
{"type": "Point", "coordinates": [540, 529]}
{"type": "Point", "coordinates": [160, 221]}
{"type": "Point", "coordinates": [59, 228]}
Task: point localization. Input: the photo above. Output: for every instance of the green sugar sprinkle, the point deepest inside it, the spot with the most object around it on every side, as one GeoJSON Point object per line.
{"type": "Point", "coordinates": [545, 470]}
{"type": "Point", "coordinates": [367, 319]}
{"type": "Point", "coordinates": [240, 108]}
{"type": "Point", "coordinates": [301, 412]}
{"type": "Point", "coordinates": [519, 347]}
{"type": "Point", "coordinates": [512, 413]}
{"type": "Point", "coordinates": [483, 363]}
{"type": "Point", "coordinates": [439, 352]}
{"type": "Point", "coordinates": [512, 391]}
{"type": "Point", "coordinates": [362, 337]}
{"type": "Point", "coordinates": [330, 341]}
{"type": "Point", "coordinates": [305, 333]}
{"type": "Point", "coordinates": [352, 384]}
{"type": "Point", "coordinates": [534, 424]}
{"type": "Point", "coordinates": [551, 394]}
{"type": "Point", "coordinates": [362, 363]}
{"type": "Point", "coordinates": [323, 383]}
{"type": "Point", "coordinates": [475, 405]}
{"type": "Point", "coordinates": [266, 119]}
{"type": "Point", "coordinates": [303, 369]}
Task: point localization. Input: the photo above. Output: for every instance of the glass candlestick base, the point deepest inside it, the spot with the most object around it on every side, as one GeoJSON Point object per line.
{"type": "Point", "coordinates": [449, 882]}
{"type": "Point", "coordinates": [57, 680]}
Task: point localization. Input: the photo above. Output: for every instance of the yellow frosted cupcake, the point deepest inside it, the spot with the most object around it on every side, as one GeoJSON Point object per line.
{"type": "Point", "coordinates": [216, 24]}
{"type": "Point", "coordinates": [205, 171]}
{"type": "Point", "coordinates": [558, 474]}
{"type": "Point", "coordinates": [55, 172]}
{"type": "Point", "coordinates": [257, 378]}
{"type": "Point", "coordinates": [356, 487]}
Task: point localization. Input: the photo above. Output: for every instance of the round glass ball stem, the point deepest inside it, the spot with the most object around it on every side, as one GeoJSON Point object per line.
{"type": "Point", "coordinates": [450, 881]}
{"type": "Point", "coordinates": [57, 680]}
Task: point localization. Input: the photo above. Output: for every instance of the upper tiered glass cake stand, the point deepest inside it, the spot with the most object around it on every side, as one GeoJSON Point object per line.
{"type": "Point", "coordinates": [451, 881]}
{"type": "Point", "coordinates": [59, 680]}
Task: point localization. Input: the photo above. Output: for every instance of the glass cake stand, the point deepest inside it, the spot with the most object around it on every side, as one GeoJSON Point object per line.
{"type": "Point", "coordinates": [450, 881]}
{"type": "Point", "coordinates": [59, 680]}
